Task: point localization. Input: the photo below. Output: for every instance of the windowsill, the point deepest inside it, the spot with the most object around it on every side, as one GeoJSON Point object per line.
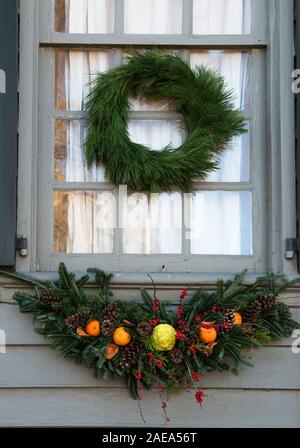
{"type": "Point", "coordinates": [161, 278]}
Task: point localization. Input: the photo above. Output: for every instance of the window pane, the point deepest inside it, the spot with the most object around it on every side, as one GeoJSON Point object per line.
{"type": "Point", "coordinates": [221, 223]}
{"type": "Point", "coordinates": [139, 104]}
{"type": "Point", "coordinates": [152, 224]}
{"type": "Point", "coordinates": [83, 222]}
{"type": "Point", "coordinates": [84, 16]}
{"type": "Point", "coordinates": [74, 70]}
{"type": "Point", "coordinates": [156, 134]}
{"type": "Point", "coordinates": [233, 66]}
{"type": "Point", "coordinates": [69, 163]}
{"type": "Point", "coordinates": [153, 17]}
{"type": "Point", "coordinates": [234, 163]}
{"type": "Point", "coordinates": [222, 17]}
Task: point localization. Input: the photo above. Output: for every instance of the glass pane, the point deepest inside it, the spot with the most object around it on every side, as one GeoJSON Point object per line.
{"type": "Point", "coordinates": [156, 134]}
{"type": "Point", "coordinates": [84, 16]}
{"type": "Point", "coordinates": [222, 17]}
{"type": "Point", "coordinates": [139, 104]}
{"type": "Point", "coordinates": [233, 66]}
{"type": "Point", "coordinates": [74, 71]}
{"type": "Point", "coordinates": [221, 223]}
{"type": "Point", "coordinates": [152, 224]}
{"type": "Point", "coordinates": [83, 222]}
{"type": "Point", "coordinates": [69, 163]}
{"type": "Point", "coordinates": [153, 17]}
{"type": "Point", "coordinates": [234, 163]}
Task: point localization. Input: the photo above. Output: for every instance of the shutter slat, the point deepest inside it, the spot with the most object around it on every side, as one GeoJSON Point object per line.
{"type": "Point", "coordinates": [8, 130]}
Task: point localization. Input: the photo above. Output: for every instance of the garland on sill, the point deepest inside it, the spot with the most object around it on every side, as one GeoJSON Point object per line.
{"type": "Point", "coordinates": [200, 95]}
{"type": "Point", "coordinates": [149, 343]}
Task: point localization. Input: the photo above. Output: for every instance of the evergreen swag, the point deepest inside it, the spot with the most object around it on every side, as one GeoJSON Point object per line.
{"type": "Point", "coordinates": [200, 95]}
{"type": "Point", "coordinates": [164, 347]}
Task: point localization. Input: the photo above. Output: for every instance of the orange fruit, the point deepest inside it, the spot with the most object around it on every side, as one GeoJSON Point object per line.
{"type": "Point", "coordinates": [81, 332]}
{"type": "Point", "coordinates": [238, 320]}
{"type": "Point", "coordinates": [111, 351]}
{"type": "Point", "coordinates": [93, 328]}
{"type": "Point", "coordinates": [121, 336]}
{"type": "Point", "coordinates": [207, 335]}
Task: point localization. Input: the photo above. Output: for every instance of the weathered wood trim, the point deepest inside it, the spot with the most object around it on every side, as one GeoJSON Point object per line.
{"type": "Point", "coordinates": [280, 129]}
{"type": "Point", "coordinates": [28, 111]}
{"type": "Point", "coordinates": [173, 280]}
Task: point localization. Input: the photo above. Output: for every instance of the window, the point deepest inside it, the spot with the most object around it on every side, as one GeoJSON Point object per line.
{"type": "Point", "coordinates": [82, 218]}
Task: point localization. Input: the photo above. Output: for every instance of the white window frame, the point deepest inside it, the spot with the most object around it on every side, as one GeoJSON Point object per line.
{"type": "Point", "coordinates": [273, 168]}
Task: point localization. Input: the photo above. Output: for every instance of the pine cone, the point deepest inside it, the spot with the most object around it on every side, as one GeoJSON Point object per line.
{"type": "Point", "coordinates": [223, 329]}
{"type": "Point", "coordinates": [107, 328]}
{"type": "Point", "coordinates": [75, 320]}
{"type": "Point", "coordinates": [144, 329]}
{"type": "Point", "coordinates": [267, 301]}
{"type": "Point", "coordinates": [191, 338]}
{"type": "Point", "coordinates": [130, 355]}
{"type": "Point", "coordinates": [176, 355]}
{"type": "Point", "coordinates": [110, 312]}
{"type": "Point", "coordinates": [253, 311]}
{"type": "Point", "coordinates": [228, 314]}
{"type": "Point", "coordinates": [49, 298]}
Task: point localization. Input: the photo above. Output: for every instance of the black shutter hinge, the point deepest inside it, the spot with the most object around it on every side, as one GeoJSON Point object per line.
{"type": "Point", "coordinates": [292, 247]}
{"type": "Point", "coordinates": [22, 246]}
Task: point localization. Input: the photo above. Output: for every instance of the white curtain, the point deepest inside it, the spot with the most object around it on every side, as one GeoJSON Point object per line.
{"type": "Point", "coordinates": [234, 67]}
{"type": "Point", "coordinates": [152, 224]}
{"type": "Point", "coordinates": [156, 134]}
{"type": "Point", "coordinates": [157, 16]}
{"type": "Point", "coordinates": [90, 222]}
{"type": "Point", "coordinates": [89, 16]}
{"type": "Point", "coordinates": [90, 215]}
{"type": "Point", "coordinates": [153, 17]}
{"type": "Point", "coordinates": [221, 221]}
{"type": "Point", "coordinates": [222, 17]}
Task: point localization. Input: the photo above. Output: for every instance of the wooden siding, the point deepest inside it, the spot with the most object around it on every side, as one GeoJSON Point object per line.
{"type": "Point", "coordinates": [42, 389]}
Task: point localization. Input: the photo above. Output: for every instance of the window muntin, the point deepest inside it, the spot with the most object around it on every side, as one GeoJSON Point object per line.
{"type": "Point", "coordinates": [234, 176]}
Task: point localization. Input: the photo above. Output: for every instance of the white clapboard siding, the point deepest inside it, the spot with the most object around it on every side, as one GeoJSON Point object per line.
{"type": "Point", "coordinates": [111, 407]}
{"type": "Point", "coordinates": [40, 388]}
{"type": "Point", "coordinates": [41, 367]}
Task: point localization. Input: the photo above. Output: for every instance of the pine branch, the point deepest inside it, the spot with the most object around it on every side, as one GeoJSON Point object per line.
{"type": "Point", "coordinates": [101, 278]}
{"type": "Point", "coordinates": [69, 284]}
{"type": "Point", "coordinates": [25, 278]}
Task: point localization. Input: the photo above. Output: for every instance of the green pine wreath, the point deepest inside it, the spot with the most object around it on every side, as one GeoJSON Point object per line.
{"type": "Point", "coordinates": [200, 95]}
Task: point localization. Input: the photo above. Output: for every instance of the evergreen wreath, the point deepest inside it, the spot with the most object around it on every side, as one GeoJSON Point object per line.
{"type": "Point", "coordinates": [200, 95]}
{"type": "Point", "coordinates": [149, 343]}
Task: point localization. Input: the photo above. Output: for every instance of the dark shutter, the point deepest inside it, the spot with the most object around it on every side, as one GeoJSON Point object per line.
{"type": "Point", "coordinates": [8, 130]}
